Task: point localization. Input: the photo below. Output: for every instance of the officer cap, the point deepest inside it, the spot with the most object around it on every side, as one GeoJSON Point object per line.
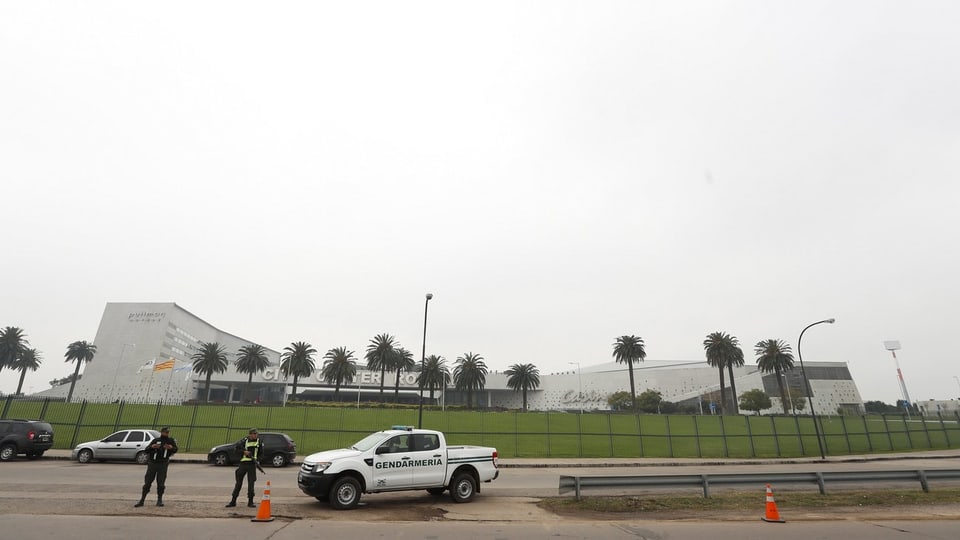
{"type": "Point", "coordinates": [165, 429]}
{"type": "Point", "coordinates": [252, 430]}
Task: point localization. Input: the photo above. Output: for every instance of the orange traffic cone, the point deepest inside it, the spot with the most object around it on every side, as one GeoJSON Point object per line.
{"type": "Point", "coordinates": [772, 515]}
{"type": "Point", "coordinates": [263, 511]}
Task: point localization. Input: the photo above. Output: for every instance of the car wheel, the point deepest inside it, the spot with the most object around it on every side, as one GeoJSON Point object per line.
{"type": "Point", "coordinates": [436, 491]}
{"type": "Point", "coordinates": [463, 487]}
{"type": "Point", "coordinates": [221, 459]}
{"type": "Point", "coordinates": [278, 460]}
{"type": "Point", "coordinates": [8, 452]}
{"type": "Point", "coordinates": [143, 458]}
{"type": "Point", "coordinates": [345, 493]}
{"type": "Point", "coordinates": [85, 456]}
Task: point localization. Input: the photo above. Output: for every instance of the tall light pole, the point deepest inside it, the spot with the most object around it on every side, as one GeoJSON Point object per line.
{"type": "Point", "coordinates": [423, 357]}
{"type": "Point", "coordinates": [893, 347]}
{"type": "Point", "coordinates": [580, 384]}
{"type": "Point", "coordinates": [123, 349]}
{"type": "Point", "coordinates": [813, 414]}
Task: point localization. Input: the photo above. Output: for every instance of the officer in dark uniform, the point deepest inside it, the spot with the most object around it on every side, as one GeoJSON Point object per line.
{"type": "Point", "coordinates": [159, 452]}
{"type": "Point", "coordinates": [250, 449]}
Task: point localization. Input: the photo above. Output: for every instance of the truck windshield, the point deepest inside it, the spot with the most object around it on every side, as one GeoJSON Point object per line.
{"type": "Point", "coordinates": [369, 441]}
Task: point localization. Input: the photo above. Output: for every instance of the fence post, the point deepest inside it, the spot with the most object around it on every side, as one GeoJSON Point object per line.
{"type": "Point", "coordinates": [193, 426]}
{"type": "Point", "coordinates": [796, 419]}
{"type": "Point", "coordinates": [843, 424]}
{"type": "Point", "coordinates": [923, 420]}
{"type": "Point", "coordinates": [906, 427]}
{"type": "Point", "coordinates": [548, 437]}
{"type": "Point", "coordinates": [579, 435]}
{"type": "Point", "coordinates": [943, 428]}
{"type": "Point", "coordinates": [6, 406]}
{"type": "Point", "coordinates": [886, 427]}
{"type": "Point", "coordinates": [43, 408]}
{"type": "Point", "coordinates": [156, 415]}
{"type": "Point", "coordinates": [610, 434]}
{"type": "Point", "coordinates": [723, 437]}
{"type": "Point", "coordinates": [516, 434]}
{"type": "Point", "coordinates": [83, 408]}
{"type": "Point", "coordinates": [753, 450]}
{"type": "Point", "coordinates": [669, 438]}
{"type": "Point", "coordinates": [639, 431]}
{"type": "Point", "coordinates": [696, 436]}
{"type": "Point", "coordinates": [866, 430]}
{"type": "Point", "coordinates": [776, 438]}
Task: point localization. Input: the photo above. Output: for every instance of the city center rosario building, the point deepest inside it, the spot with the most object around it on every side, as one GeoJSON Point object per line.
{"type": "Point", "coordinates": [144, 355]}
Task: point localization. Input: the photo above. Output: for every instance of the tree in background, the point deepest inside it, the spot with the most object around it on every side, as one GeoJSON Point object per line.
{"type": "Point", "coordinates": [401, 360]}
{"type": "Point", "coordinates": [755, 400]}
{"type": "Point", "coordinates": [620, 401]}
{"type": "Point", "coordinates": [649, 401]}
{"type": "Point", "coordinates": [469, 375]}
{"type": "Point", "coordinates": [435, 374]}
{"type": "Point", "coordinates": [339, 366]}
{"type": "Point", "coordinates": [379, 356]}
{"type": "Point", "coordinates": [30, 359]}
{"type": "Point", "coordinates": [879, 407]}
{"type": "Point", "coordinates": [523, 377]}
{"type": "Point", "coordinates": [297, 360]}
{"type": "Point", "coordinates": [630, 350]}
{"type": "Point", "coordinates": [723, 352]}
{"type": "Point", "coordinates": [209, 359]}
{"type": "Point", "coordinates": [775, 355]}
{"type": "Point", "coordinates": [13, 343]}
{"type": "Point", "coordinates": [80, 352]}
{"type": "Point", "coordinates": [251, 359]}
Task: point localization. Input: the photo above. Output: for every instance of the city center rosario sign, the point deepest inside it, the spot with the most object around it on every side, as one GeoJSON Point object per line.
{"type": "Point", "coordinates": [363, 377]}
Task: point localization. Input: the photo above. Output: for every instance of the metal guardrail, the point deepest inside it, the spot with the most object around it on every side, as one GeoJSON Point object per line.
{"type": "Point", "coordinates": [578, 484]}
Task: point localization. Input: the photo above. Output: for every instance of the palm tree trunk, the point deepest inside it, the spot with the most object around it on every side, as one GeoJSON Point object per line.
{"type": "Point", "coordinates": [633, 389]}
{"type": "Point", "coordinates": [209, 374]}
{"type": "Point", "coordinates": [23, 374]}
{"type": "Point", "coordinates": [73, 383]}
{"type": "Point", "coordinates": [295, 379]}
{"type": "Point", "coordinates": [383, 375]}
{"type": "Point", "coordinates": [249, 385]}
{"type": "Point", "coordinates": [469, 399]}
{"type": "Point", "coordinates": [723, 396]}
{"type": "Point", "coordinates": [733, 390]}
{"type": "Point", "coordinates": [524, 399]}
{"type": "Point", "coordinates": [396, 388]}
{"type": "Point", "coordinates": [783, 395]}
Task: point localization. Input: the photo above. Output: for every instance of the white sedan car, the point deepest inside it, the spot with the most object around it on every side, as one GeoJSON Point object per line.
{"type": "Point", "coordinates": [129, 445]}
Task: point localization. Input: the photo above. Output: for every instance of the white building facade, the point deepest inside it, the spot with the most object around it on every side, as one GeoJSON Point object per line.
{"type": "Point", "coordinates": [135, 340]}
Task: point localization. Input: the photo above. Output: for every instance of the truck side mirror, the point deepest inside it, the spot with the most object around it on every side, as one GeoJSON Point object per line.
{"type": "Point", "coordinates": [383, 450]}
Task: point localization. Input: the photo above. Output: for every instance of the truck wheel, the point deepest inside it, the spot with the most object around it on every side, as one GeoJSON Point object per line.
{"type": "Point", "coordinates": [345, 493]}
{"type": "Point", "coordinates": [8, 452]}
{"type": "Point", "coordinates": [142, 458]}
{"type": "Point", "coordinates": [463, 487]}
{"type": "Point", "coordinates": [436, 491]}
{"type": "Point", "coordinates": [85, 456]}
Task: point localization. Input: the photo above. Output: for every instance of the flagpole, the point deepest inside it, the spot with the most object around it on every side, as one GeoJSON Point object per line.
{"type": "Point", "coordinates": [150, 384]}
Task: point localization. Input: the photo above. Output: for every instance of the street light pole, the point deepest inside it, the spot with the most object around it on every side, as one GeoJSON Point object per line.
{"type": "Point", "coordinates": [813, 414]}
{"type": "Point", "coordinates": [423, 357]}
{"type": "Point", "coordinates": [580, 384]}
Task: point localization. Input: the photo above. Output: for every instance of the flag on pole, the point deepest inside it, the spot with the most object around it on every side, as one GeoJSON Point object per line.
{"type": "Point", "coordinates": [146, 364]}
{"type": "Point", "coordinates": [164, 365]}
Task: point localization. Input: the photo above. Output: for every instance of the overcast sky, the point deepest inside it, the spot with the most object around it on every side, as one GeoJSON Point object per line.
{"type": "Point", "coordinates": [556, 173]}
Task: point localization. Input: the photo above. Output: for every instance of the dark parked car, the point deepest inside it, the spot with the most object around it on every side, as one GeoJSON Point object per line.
{"type": "Point", "coordinates": [278, 450]}
{"type": "Point", "coordinates": [30, 437]}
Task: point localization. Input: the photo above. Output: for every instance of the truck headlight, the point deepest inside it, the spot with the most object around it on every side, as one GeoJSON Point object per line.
{"type": "Point", "coordinates": [320, 467]}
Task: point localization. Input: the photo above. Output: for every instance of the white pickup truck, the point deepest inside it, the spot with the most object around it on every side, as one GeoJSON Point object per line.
{"type": "Point", "coordinates": [397, 459]}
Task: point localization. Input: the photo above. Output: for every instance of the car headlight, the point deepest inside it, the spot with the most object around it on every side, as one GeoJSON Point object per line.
{"type": "Point", "coordinates": [212, 450]}
{"type": "Point", "coordinates": [322, 466]}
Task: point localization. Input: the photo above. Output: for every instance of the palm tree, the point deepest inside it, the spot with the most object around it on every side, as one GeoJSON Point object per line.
{"type": "Point", "coordinates": [435, 374]}
{"type": "Point", "coordinates": [379, 356]}
{"type": "Point", "coordinates": [209, 359]}
{"type": "Point", "coordinates": [630, 350]}
{"type": "Point", "coordinates": [30, 359]}
{"type": "Point", "coordinates": [469, 374]}
{"type": "Point", "coordinates": [402, 361]}
{"type": "Point", "coordinates": [523, 377]}
{"type": "Point", "coordinates": [13, 343]}
{"type": "Point", "coordinates": [251, 359]}
{"type": "Point", "coordinates": [297, 360]}
{"type": "Point", "coordinates": [339, 367]}
{"type": "Point", "coordinates": [723, 351]}
{"type": "Point", "coordinates": [775, 355]}
{"type": "Point", "coordinates": [80, 352]}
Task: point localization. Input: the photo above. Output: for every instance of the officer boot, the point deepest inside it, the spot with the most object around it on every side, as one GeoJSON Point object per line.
{"type": "Point", "coordinates": [159, 498]}
{"type": "Point", "coordinates": [250, 501]}
{"type": "Point", "coordinates": [233, 502]}
{"type": "Point", "coordinates": [143, 496]}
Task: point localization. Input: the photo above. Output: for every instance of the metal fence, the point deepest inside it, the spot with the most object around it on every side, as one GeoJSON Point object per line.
{"type": "Point", "coordinates": [514, 433]}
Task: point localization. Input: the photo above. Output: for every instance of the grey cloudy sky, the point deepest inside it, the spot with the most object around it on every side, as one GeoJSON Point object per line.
{"type": "Point", "coordinates": [556, 173]}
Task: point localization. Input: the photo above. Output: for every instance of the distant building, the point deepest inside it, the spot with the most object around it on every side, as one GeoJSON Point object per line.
{"type": "Point", "coordinates": [144, 351]}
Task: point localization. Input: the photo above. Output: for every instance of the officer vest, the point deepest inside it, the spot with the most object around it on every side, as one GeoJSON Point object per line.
{"type": "Point", "coordinates": [253, 447]}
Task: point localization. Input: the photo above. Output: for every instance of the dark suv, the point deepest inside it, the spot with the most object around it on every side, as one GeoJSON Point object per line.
{"type": "Point", "coordinates": [30, 437]}
{"type": "Point", "coordinates": [278, 450]}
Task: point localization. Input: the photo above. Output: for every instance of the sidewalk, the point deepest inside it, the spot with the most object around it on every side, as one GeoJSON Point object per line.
{"type": "Point", "coordinates": [508, 463]}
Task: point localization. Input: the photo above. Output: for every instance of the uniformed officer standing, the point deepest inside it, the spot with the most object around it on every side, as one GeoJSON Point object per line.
{"type": "Point", "coordinates": [251, 448]}
{"type": "Point", "coordinates": [159, 452]}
